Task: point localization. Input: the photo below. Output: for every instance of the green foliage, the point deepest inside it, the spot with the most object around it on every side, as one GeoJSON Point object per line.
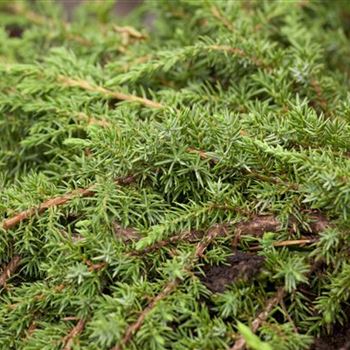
{"type": "Point", "coordinates": [251, 339]}
{"type": "Point", "coordinates": [154, 144]}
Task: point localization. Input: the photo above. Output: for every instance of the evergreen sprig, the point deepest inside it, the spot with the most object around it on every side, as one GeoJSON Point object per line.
{"type": "Point", "coordinates": [167, 182]}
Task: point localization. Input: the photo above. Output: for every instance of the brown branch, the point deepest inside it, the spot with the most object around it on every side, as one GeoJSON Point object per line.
{"type": "Point", "coordinates": [52, 202]}
{"type": "Point", "coordinates": [133, 328]}
{"type": "Point", "coordinates": [189, 236]}
{"type": "Point", "coordinates": [85, 85]}
{"type": "Point", "coordinates": [229, 49]}
{"type": "Point", "coordinates": [271, 303]}
{"type": "Point", "coordinates": [260, 224]}
{"type": "Point", "coordinates": [75, 331]}
{"type": "Point", "coordinates": [256, 227]}
{"type": "Point", "coordinates": [9, 269]}
{"type": "Point", "coordinates": [241, 53]}
{"type": "Point", "coordinates": [300, 242]}
{"type": "Point", "coordinates": [248, 172]}
{"type": "Point", "coordinates": [261, 318]}
{"type": "Point", "coordinates": [213, 232]}
{"type": "Point", "coordinates": [272, 179]}
{"type": "Point", "coordinates": [71, 318]}
{"type": "Point", "coordinates": [295, 242]}
{"type": "Point", "coordinates": [57, 201]}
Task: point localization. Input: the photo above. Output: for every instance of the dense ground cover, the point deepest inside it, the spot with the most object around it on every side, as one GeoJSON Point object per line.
{"type": "Point", "coordinates": [166, 185]}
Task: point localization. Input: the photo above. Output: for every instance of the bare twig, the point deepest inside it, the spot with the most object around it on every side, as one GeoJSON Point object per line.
{"type": "Point", "coordinates": [171, 285]}
{"type": "Point", "coordinates": [133, 328]}
{"type": "Point", "coordinates": [271, 303]}
{"type": "Point", "coordinates": [248, 172]}
{"type": "Point", "coordinates": [299, 242]}
{"type": "Point", "coordinates": [57, 201]}
{"type": "Point", "coordinates": [52, 202]}
{"type": "Point", "coordinates": [241, 53]}
{"type": "Point", "coordinates": [188, 236]}
{"type": "Point", "coordinates": [256, 227]}
{"type": "Point", "coordinates": [85, 85]}
{"type": "Point", "coordinates": [213, 232]}
{"type": "Point", "coordinates": [292, 242]}
{"type": "Point", "coordinates": [71, 318]}
{"type": "Point", "coordinates": [9, 269]}
{"type": "Point", "coordinates": [75, 331]}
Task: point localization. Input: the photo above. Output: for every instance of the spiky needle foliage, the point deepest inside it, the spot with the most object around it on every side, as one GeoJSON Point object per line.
{"type": "Point", "coordinates": [160, 186]}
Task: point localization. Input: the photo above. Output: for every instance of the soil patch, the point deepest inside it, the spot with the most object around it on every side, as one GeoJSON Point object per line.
{"type": "Point", "coordinates": [339, 340]}
{"type": "Point", "coordinates": [238, 266]}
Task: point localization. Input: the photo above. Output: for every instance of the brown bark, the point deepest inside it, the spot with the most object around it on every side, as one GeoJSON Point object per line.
{"type": "Point", "coordinates": [52, 202]}
{"type": "Point", "coordinates": [9, 269]}
{"type": "Point", "coordinates": [271, 303]}
{"type": "Point", "coordinates": [213, 232]}
{"type": "Point", "coordinates": [76, 330]}
{"type": "Point", "coordinates": [57, 201]}
{"type": "Point", "coordinates": [85, 85]}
